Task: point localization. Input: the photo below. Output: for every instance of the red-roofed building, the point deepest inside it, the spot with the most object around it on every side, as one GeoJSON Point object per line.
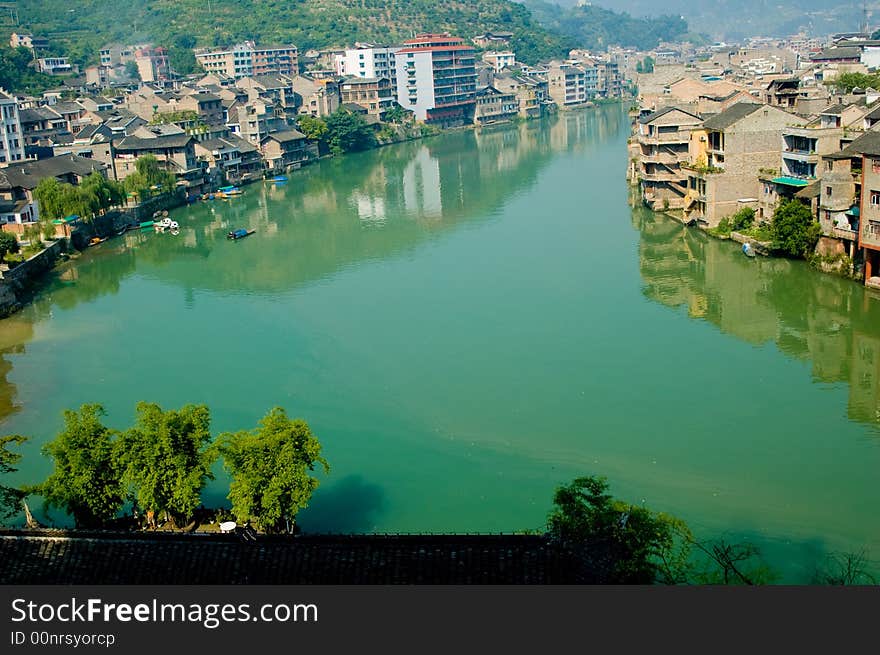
{"type": "Point", "coordinates": [437, 78]}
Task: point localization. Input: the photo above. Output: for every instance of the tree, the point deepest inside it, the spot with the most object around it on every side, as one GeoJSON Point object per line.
{"type": "Point", "coordinates": [313, 127]}
{"type": "Point", "coordinates": [181, 56]}
{"type": "Point", "coordinates": [48, 194]}
{"type": "Point", "coordinates": [271, 470]}
{"type": "Point", "coordinates": [614, 541]}
{"type": "Point", "coordinates": [166, 459]}
{"type": "Point", "coordinates": [846, 82]}
{"type": "Point", "coordinates": [397, 114]}
{"type": "Point", "coordinates": [86, 480]}
{"type": "Point", "coordinates": [8, 244]}
{"type": "Point", "coordinates": [743, 219]}
{"type": "Point", "coordinates": [348, 132]}
{"type": "Point", "coordinates": [9, 496]}
{"type": "Point", "coordinates": [131, 71]}
{"type": "Point", "coordinates": [794, 229]}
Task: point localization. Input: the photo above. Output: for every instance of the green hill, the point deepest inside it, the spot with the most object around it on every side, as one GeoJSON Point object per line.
{"type": "Point", "coordinates": [80, 27]}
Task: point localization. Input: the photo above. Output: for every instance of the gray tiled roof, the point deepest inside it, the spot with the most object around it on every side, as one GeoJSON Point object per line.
{"type": "Point", "coordinates": [731, 115]}
{"type": "Point", "coordinates": [28, 174]}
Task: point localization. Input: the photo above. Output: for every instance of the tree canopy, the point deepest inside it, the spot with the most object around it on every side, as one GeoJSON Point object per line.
{"type": "Point", "coordinates": [348, 132]}
{"type": "Point", "coordinates": [8, 244]}
{"type": "Point", "coordinates": [794, 228]}
{"type": "Point", "coordinates": [846, 82]}
{"type": "Point", "coordinates": [166, 459]}
{"type": "Point", "coordinates": [271, 468]}
{"type": "Point", "coordinates": [85, 481]}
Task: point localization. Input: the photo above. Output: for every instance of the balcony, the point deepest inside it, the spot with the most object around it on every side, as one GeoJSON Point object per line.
{"type": "Point", "coordinates": [844, 233]}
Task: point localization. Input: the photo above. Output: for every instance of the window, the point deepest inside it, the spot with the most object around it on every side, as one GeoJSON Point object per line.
{"type": "Point", "coordinates": [828, 191]}
{"type": "Point", "coordinates": [875, 198]}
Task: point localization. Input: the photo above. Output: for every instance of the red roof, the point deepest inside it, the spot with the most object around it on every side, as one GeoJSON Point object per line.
{"type": "Point", "coordinates": [429, 37]}
{"type": "Point", "coordinates": [437, 48]}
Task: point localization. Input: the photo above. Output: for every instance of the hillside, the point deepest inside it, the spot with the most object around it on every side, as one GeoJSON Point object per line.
{"type": "Point", "coordinates": [594, 27]}
{"type": "Point", "coordinates": [80, 27]}
{"type": "Point", "coordinates": [736, 19]}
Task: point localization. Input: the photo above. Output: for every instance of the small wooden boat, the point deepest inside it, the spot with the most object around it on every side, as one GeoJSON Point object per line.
{"type": "Point", "coordinates": [94, 241]}
{"type": "Point", "coordinates": [240, 233]}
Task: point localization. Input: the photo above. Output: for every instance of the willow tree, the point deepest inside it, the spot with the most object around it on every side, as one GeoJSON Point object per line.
{"type": "Point", "coordinates": [166, 459]}
{"type": "Point", "coordinates": [86, 480]}
{"type": "Point", "coordinates": [271, 469]}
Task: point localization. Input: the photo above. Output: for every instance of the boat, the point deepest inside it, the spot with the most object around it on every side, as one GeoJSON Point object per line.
{"type": "Point", "coordinates": [225, 191]}
{"type": "Point", "coordinates": [166, 224]}
{"type": "Point", "coordinates": [94, 241]}
{"type": "Point", "coordinates": [240, 233]}
{"type": "Point", "coordinates": [280, 178]}
{"type": "Point", "coordinates": [147, 225]}
{"type": "Point", "coordinates": [748, 250]}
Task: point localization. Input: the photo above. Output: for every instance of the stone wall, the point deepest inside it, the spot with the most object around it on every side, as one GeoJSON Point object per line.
{"type": "Point", "coordinates": [16, 282]}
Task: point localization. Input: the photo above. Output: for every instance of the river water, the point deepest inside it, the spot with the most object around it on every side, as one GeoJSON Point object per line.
{"type": "Point", "coordinates": [468, 321]}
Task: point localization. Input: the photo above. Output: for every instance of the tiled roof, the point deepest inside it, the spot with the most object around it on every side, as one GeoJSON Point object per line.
{"type": "Point", "coordinates": [731, 115]}
{"type": "Point", "coordinates": [54, 557]}
{"type": "Point", "coordinates": [28, 174]}
{"type": "Point", "coordinates": [287, 135]}
{"type": "Point", "coordinates": [162, 141]}
{"type": "Point", "coordinates": [662, 112]}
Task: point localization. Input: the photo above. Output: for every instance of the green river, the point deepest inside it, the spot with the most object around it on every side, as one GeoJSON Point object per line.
{"type": "Point", "coordinates": [468, 321]}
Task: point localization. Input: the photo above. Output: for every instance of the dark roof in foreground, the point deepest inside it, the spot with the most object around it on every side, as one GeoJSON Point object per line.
{"type": "Point", "coordinates": [867, 144]}
{"type": "Point", "coordinates": [27, 174]}
{"type": "Point", "coordinates": [733, 114]}
{"type": "Point", "coordinates": [71, 557]}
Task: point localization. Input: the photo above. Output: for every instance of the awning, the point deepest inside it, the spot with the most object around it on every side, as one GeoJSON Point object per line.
{"type": "Point", "coordinates": [790, 181]}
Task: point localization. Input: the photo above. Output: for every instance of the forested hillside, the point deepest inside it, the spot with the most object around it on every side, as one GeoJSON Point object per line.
{"type": "Point", "coordinates": [80, 27]}
{"type": "Point", "coordinates": [594, 27]}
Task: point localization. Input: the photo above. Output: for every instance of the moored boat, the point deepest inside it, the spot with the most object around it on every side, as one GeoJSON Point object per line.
{"type": "Point", "coordinates": [748, 250]}
{"type": "Point", "coordinates": [240, 233]}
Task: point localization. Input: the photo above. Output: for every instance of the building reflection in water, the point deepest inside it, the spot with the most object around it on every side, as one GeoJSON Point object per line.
{"type": "Point", "coordinates": [831, 322]}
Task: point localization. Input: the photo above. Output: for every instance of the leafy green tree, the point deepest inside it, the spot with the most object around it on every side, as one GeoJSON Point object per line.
{"type": "Point", "coordinates": [397, 114]}
{"type": "Point", "coordinates": [9, 496]}
{"type": "Point", "coordinates": [348, 132]}
{"type": "Point", "coordinates": [17, 73]}
{"type": "Point", "coordinates": [313, 127]}
{"type": "Point", "coordinates": [181, 56]}
{"type": "Point", "coordinates": [166, 459]}
{"type": "Point", "coordinates": [131, 71]}
{"type": "Point", "coordinates": [743, 219]}
{"type": "Point", "coordinates": [616, 541]}
{"type": "Point", "coordinates": [8, 244]}
{"type": "Point", "coordinates": [846, 82]}
{"type": "Point", "coordinates": [794, 229]}
{"type": "Point", "coordinates": [86, 481]}
{"type": "Point", "coordinates": [271, 468]}
{"type": "Point", "coordinates": [48, 195]}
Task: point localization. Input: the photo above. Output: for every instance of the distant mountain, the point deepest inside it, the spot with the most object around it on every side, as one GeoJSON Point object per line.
{"type": "Point", "coordinates": [734, 19]}
{"type": "Point", "coordinates": [596, 28]}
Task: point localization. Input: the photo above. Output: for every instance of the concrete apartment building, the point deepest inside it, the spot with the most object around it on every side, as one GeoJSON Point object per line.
{"type": "Point", "coordinates": [370, 61]}
{"type": "Point", "coordinates": [728, 153]}
{"type": "Point", "coordinates": [372, 93]}
{"type": "Point", "coordinates": [316, 97]}
{"type": "Point", "coordinates": [662, 145]}
{"type": "Point", "coordinates": [247, 59]}
{"type": "Point", "coordinates": [567, 83]}
{"type": "Point", "coordinates": [500, 60]}
{"type": "Point", "coordinates": [863, 154]}
{"type": "Point", "coordinates": [11, 137]}
{"type": "Point", "coordinates": [54, 66]}
{"type": "Point", "coordinates": [437, 79]}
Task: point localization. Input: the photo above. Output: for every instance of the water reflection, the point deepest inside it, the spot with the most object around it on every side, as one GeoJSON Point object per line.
{"type": "Point", "coordinates": [320, 222]}
{"type": "Point", "coordinates": [827, 321]}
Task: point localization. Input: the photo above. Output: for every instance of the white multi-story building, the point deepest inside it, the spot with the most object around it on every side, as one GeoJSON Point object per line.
{"type": "Point", "coordinates": [11, 139]}
{"type": "Point", "coordinates": [437, 78]}
{"type": "Point", "coordinates": [370, 61]}
{"type": "Point", "coordinates": [500, 60]}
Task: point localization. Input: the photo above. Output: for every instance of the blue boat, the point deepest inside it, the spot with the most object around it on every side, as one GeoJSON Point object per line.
{"type": "Point", "coordinates": [748, 250]}
{"type": "Point", "coordinates": [240, 233]}
{"type": "Point", "coordinates": [280, 178]}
